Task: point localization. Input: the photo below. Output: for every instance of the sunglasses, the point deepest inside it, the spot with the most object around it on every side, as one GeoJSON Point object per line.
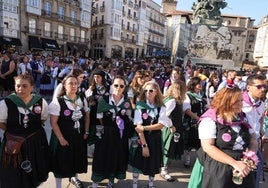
{"type": "Point", "coordinates": [260, 86]}
{"type": "Point", "coordinates": [149, 90]}
{"type": "Point", "coordinates": [121, 86]}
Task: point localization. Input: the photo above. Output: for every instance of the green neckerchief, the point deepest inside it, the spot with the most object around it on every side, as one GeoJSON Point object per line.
{"type": "Point", "coordinates": [166, 99]}
{"type": "Point", "coordinates": [104, 106]}
{"type": "Point", "coordinates": [20, 103]}
{"type": "Point", "coordinates": [196, 96]}
{"type": "Point", "coordinates": [143, 105]}
{"type": "Point", "coordinates": [66, 98]}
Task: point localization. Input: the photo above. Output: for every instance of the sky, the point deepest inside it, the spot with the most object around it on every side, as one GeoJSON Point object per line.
{"type": "Point", "coordinates": [256, 9]}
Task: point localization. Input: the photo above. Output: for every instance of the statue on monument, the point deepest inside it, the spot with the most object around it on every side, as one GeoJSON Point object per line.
{"type": "Point", "coordinates": [208, 12]}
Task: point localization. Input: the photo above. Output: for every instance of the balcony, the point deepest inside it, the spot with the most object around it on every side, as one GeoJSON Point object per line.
{"type": "Point", "coordinates": [46, 13]}
{"type": "Point", "coordinates": [130, 3]}
{"type": "Point", "coordinates": [75, 3]}
{"type": "Point", "coordinates": [95, 23]}
{"type": "Point", "coordinates": [124, 2]}
{"type": "Point", "coordinates": [61, 36]}
{"type": "Point", "coordinates": [101, 36]}
{"type": "Point", "coordinates": [157, 22]}
{"type": "Point", "coordinates": [129, 28]}
{"type": "Point", "coordinates": [8, 32]}
{"type": "Point", "coordinates": [102, 8]}
{"type": "Point", "coordinates": [124, 13]}
{"type": "Point", "coordinates": [156, 32]}
{"type": "Point", "coordinates": [94, 36]}
{"type": "Point", "coordinates": [101, 22]}
{"type": "Point", "coordinates": [128, 40]}
{"type": "Point", "coordinates": [129, 15]}
{"type": "Point", "coordinates": [136, 7]}
{"type": "Point", "coordinates": [58, 17]}
{"type": "Point", "coordinates": [72, 38]}
{"type": "Point", "coordinates": [47, 33]}
{"type": "Point", "coordinates": [155, 43]}
{"type": "Point", "coordinates": [33, 31]}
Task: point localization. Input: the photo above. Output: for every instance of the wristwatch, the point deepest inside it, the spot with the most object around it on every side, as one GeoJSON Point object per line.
{"type": "Point", "coordinates": [144, 145]}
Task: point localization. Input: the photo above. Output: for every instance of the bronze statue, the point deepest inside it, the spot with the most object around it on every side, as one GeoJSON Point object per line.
{"type": "Point", "coordinates": [208, 12]}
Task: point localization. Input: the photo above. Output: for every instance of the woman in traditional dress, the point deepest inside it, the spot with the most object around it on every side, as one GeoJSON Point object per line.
{"type": "Point", "coordinates": [22, 115]}
{"type": "Point", "coordinates": [173, 149]}
{"type": "Point", "coordinates": [110, 158]}
{"type": "Point", "coordinates": [96, 90]}
{"type": "Point", "coordinates": [227, 157]}
{"type": "Point", "coordinates": [69, 119]}
{"type": "Point", "coordinates": [197, 103]}
{"type": "Point", "coordinates": [149, 118]}
{"type": "Point", "coordinates": [135, 87]}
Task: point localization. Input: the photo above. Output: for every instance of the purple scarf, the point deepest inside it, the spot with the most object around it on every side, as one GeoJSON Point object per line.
{"type": "Point", "coordinates": [211, 113]}
{"type": "Point", "coordinates": [120, 124]}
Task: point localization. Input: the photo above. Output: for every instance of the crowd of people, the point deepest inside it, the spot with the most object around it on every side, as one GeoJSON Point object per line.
{"type": "Point", "coordinates": [141, 113]}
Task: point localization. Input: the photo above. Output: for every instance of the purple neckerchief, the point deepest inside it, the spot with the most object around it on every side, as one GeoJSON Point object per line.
{"type": "Point", "coordinates": [211, 113]}
{"type": "Point", "coordinates": [120, 124]}
{"type": "Point", "coordinates": [246, 98]}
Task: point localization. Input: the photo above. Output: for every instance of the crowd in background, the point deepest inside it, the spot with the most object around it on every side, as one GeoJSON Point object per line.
{"type": "Point", "coordinates": [148, 99]}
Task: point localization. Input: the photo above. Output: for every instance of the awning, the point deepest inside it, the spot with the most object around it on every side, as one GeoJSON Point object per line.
{"type": "Point", "coordinates": [10, 41]}
{"type": "Point", "coordinates": [76, 46]}
{"type": "Point", "coordinates": [34, 43]}
{"type": "Point", "coordinates": [72, 46]}
{"type": "Point", "coordinates": [50, 44]}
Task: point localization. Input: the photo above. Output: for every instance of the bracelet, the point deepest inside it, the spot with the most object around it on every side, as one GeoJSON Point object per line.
{"type": "Point", "coordinates": [86, 132]}
{"type": "Point", "coordinates": [144, 145]}
{"type": "Point", "coordinates": [144, 129]}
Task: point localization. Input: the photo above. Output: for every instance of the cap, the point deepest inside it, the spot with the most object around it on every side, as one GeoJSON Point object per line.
{"type": "Point", "coordinates": [99, 72]}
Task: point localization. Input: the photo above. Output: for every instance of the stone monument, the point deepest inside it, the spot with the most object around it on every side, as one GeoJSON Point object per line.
{"type": "Point", "coordinates": [211, 41]}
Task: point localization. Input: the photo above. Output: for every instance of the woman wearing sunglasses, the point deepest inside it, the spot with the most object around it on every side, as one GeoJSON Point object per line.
{"type": "Point", "coordinates": [149, 118]}
{"type": "Point", "coordinates": [135, 88]}
{"type": "Point", "coordinates": [110, 158]}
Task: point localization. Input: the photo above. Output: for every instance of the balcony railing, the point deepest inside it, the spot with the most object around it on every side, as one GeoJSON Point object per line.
{"type": "Point", "coordinates": [47, 33]}
{"type": "Point", "coordinates": [156, 32]}
{"type": "Point", "coordinates": [130, 3]}
{"type": "Point", "coordinates": [9, 32]}
{"type": "Point", "coordinates": [128, 40]}
{"type": "Point", "coordinates": [101, 36]}
{"type": "Point", "coordinates": [136, 6]}
{"type": "Point", "coordinates": [59, 17]}
{"type": "Point", "coordinates": [157, 22]}
{"type": "Point", "coordinates": [61, 36]}
{"type": "Point", "coordinates": [33, 31]}
{"type": "Point", "coordinates": [72, 38]}
{"type": "Point", "coordinates": [101, 22]}
{"type": "Point", "coordinates": [102, 8]}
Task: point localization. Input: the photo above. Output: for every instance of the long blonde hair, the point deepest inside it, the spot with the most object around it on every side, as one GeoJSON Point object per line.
{"type": "Point", "coordinates": [177, 90]}
{"type": "Point", "coordinates": [159, 96]}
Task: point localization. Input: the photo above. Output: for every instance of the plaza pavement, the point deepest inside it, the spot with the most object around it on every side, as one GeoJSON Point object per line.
{"type": "Point", "coordinates": [176, 169]}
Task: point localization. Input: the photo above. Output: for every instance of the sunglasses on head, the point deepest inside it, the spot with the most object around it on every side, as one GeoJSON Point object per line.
{"type": "Point", "coordinates": [117, 85]}
{"type": "Point", "coordinates": [149, 90]}
{"type": "Point", "coordinates": [260, 86]}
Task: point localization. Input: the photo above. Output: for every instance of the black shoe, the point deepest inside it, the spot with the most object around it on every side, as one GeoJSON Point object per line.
{"type": "Point", "coordinates": [75, 181]}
